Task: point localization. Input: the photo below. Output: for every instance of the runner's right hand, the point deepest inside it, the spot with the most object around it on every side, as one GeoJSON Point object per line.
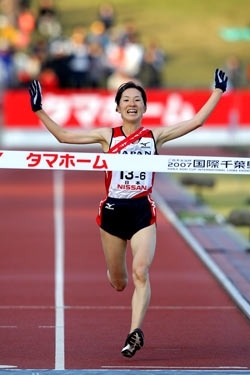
{"type": "Point", "coordinates": [220, 80]}
{"type": "Point", "coordinates": [35, 92]}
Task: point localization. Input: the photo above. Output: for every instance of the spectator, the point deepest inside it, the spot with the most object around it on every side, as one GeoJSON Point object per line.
{"type": "Point", "coordinates": [106, 14]}
{"type": "Point", "coordinates": [26, 21]}
{"type": "Point", "coordinates": [99, 68]}
{"type": "Point", "coordinates": [27, 67]}
{"type": "Point", "coordinates": [129, 32]}
{"type": "Point", "coordinates": [115, 50]}
{"type": "Point", "coordinates": [133, 55]}
{"type": "Point", "coordinates": [26, 24]}
{"type": "Point", "coordinates": [132, 50]}
{"type": "Point", "coordinates": [47, 20]}
{"type": "Point", "coordinates": [248, 74]}
{"type": "Point", "coordinates": [8, 33]}
{"type": "Point", "coordinates": [49, 79]}
{"type": "Point", "coordinates": [79, 59]}
{"type": "Point", "coordinates": [46, 9]}
{"type": "Point", "coordinates": [118, 77]}
{"type": "Point", "coordinates": [59, 61]}
{"type": "Point", "coordinates": [86, 59]}
{"type": "Point", "coordinates": [234, 71]}
{"type": "Point", "coordinates": [7, 71]}
{"type": "Point", "coordinates": [41, 49]}
{"type": "Point", "coordinates": [97, 34]}
{"type": "Point", "coordinates": [151, 67]}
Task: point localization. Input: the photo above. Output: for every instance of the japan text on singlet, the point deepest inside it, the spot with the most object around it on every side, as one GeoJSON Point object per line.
{"type": "Point", "coordinates": [129, 183]}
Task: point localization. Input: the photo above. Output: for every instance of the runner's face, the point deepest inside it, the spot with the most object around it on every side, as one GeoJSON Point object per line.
{"type": "Point", "coordinates": [131, 106]}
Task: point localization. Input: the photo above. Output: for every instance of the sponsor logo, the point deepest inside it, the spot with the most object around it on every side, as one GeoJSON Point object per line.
{"type": "Point", "coordinates": [132, 187]}
{"type": "Point", "coordinates": [109, 206]}
{"type": "Point", "coordinates": [145, 144]}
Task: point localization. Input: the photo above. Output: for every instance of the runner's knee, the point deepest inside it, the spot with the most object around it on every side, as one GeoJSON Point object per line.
{"type": "Point", "coordinates": [140, 274]}
{"type": "Point", "coordinates": [118, 284]}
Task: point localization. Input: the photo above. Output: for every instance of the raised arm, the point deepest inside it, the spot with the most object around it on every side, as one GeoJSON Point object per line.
{"type": "Point", "coordinates": [99, 135]}
{"type": "Point", "coordinates": [164, 134]}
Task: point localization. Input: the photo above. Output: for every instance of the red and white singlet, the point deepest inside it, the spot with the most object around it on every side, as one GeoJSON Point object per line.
{"type": "Point", "coordinates": [129, 183]}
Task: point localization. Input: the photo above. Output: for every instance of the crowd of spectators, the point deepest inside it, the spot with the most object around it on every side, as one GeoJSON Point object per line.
{"type": "Point", "coordinates": [102, 55]}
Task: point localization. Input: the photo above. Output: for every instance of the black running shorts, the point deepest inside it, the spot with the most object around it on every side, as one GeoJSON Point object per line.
{"type": "Point", "coordinates": [124, 217]}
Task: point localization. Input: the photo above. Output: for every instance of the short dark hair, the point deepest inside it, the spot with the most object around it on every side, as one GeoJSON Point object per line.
{"type": "Point", "coordinates": [129, 85]}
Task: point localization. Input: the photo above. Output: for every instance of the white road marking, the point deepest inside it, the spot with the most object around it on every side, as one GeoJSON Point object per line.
{"type": "Point", "coordinates": [58, 184]}
{"type": "Point", "coordinates": [117, 307]}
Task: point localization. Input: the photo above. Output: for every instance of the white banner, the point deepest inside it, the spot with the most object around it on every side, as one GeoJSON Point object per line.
{"type": "Point", "coordinates": [102, 162]}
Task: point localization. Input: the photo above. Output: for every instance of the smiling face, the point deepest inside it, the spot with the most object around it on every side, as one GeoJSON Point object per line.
{"type": "Point", "coordinates": [131, 106]}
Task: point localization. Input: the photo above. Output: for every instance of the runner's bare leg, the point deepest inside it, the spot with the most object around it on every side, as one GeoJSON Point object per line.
{"type": "Point", "coordinates": [143, 245]}
{"type": "Point", "coordinates": [114, 249]}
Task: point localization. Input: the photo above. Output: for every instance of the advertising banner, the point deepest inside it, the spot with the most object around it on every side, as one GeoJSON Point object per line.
{"type": "Point", "coordinates": [88, 109]}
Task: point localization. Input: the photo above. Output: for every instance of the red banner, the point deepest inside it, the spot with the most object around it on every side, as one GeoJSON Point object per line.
{"type": "Point", "coordinates": [87, 109]}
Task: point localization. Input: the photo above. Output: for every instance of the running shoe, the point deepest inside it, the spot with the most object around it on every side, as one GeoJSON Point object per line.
{"type": "Point", "coordinates": [134, 342]}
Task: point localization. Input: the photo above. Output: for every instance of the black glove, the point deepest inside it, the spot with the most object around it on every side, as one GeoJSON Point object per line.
{"type": "Point", "coordinates": [220, 79]}
{"type": "Point", "coordinates": [35, 96]}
